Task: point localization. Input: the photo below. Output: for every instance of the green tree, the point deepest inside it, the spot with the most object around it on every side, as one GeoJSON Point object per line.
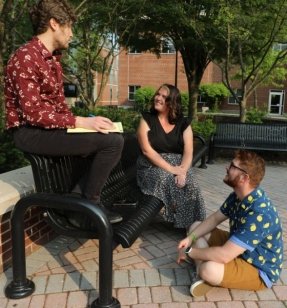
{"type": "Point", "coordinates": [238, 35]}
{"type": "Point", "coordinates": [13, 19]}
{"type": "Point", "coordinates": [213, 93]}
{"type": "Point", "coordinates": [144, 24]}
{"type": "Point", "coordinates": [14, 31]}
{"type": "Point", "coordinates": [250, 33]}
{"type": "Point", "coordinates": [91, 53]}
{"type": "Point", "coordinates": [94, 50]}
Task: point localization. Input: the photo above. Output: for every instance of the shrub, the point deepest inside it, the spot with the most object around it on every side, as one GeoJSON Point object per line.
{"type": "Point", "coordinates": [254, 115]}
{"type": "Point", "coordinates": [143, 97]}
{"type": "Point", "coordinates": [204, 128]}
{"type": "Point", "coordinates": [129, 118]}
{"type": "Point", "coordinates": [10, 157]}
{"type": "Point", "coordinates": [184, 102]}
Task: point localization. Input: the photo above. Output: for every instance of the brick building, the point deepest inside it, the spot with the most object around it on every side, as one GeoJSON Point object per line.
{"type": "Point", "coordinates": [132, 70]}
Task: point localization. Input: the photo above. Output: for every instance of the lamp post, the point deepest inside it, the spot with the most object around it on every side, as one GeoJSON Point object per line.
{"type": "Point", "coordinates": [176, 65]}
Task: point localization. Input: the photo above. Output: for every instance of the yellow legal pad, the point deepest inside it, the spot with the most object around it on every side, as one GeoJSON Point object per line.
{"type": "Point", "coordinates": [118, 129]}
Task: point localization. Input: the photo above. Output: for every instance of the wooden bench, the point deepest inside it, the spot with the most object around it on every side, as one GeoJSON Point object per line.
{"type": "Point", "coordinates": [256, 137]}
{"type": "Point", "coordinates": [54, 177]}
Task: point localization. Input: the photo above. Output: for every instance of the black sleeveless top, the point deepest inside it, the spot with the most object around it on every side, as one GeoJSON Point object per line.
{"type": "Point", "coordinates": [161, 141]}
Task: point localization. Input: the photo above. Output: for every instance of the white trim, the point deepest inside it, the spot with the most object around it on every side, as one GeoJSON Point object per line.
{"type": "Point", "coordinates": [281, 94]}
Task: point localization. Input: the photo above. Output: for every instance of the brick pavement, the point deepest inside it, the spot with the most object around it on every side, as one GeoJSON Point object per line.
{"type": "Point", "coordinates": [65, 271]}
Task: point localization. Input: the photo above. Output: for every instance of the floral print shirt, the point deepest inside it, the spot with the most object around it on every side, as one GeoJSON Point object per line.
{"type": "Point", "coordinates": [255, 226]}
{"type": "Point", "coordinates": [34, 94]}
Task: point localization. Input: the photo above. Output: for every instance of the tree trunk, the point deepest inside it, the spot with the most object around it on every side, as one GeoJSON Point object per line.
{"type": "Point", "coordinates": [192, 98]}
{"type": "Point", "coordinates": [105, 73]}
{"type": "Point", "coordinates": [195, 61]}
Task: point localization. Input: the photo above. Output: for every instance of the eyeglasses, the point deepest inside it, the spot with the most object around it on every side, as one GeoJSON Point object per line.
{"type": "Point", "coordinates": [236, 167]}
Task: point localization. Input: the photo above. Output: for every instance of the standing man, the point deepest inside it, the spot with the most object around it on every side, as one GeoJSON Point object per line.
{"type": "Point", "coordinates": [250, 256]}
{"type": "Point", "coordinates": [36, 111]}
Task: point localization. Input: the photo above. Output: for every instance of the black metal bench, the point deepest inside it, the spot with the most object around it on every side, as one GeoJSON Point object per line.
{"type": "Point", "coordinates": [256, 137]}
{"type": "Point", "coordinates": [54, 177]}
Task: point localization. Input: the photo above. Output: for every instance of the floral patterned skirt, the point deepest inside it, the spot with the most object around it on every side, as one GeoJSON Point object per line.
{"type": "Point", "coordinates": [184, 205]}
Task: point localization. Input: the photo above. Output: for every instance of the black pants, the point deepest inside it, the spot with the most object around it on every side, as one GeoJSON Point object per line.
{"type": "Point", "coordinates": [105, 150]}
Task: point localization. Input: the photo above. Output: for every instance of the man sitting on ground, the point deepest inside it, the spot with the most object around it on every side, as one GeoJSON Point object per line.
{"type": "Point", "coordinates": [250, 256]}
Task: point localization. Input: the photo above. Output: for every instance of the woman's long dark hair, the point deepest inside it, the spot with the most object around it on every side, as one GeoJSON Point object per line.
{"type": "Point", "coordinates": [173, 101]}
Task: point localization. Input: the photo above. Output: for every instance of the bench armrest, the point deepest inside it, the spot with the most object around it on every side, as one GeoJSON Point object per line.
{"type": "Point", "coordinates": [199, 150]}
{"type": "Point", "coordinates": [199, 137]}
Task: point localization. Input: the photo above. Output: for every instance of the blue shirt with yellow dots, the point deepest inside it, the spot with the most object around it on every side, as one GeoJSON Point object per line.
{"type": "Point", "coordinates": [255, 225]}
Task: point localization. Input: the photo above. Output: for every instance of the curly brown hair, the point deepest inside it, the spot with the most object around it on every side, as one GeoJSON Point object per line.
{"type": "Point", "coordinates": [253, 164]}
{"type": "Point", "coordinates": [44, 10]}
{"type": "Point", "coordinates": [173, 101]}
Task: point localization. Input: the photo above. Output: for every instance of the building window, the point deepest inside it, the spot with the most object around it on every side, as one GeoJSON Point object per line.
{"type": "Point", "coordinates": [132, 91]}
{"type": "Point", "coordinates": [231, 99]}
{"type": "Point", "coordinates": [167, 46]}
{"type": "Point", "coordinates": [280, 46]}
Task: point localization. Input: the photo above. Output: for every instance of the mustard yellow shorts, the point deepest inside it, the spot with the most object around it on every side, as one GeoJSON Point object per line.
{"type": "Point", "coordinates": [238, 274]}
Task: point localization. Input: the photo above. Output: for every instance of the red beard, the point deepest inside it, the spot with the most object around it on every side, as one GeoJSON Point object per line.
{"type": "Point", "coordinates": [232, 182]}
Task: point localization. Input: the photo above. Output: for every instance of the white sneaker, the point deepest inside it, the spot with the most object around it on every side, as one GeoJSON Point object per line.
{"type": "Point", "coordinates": [199, 288]}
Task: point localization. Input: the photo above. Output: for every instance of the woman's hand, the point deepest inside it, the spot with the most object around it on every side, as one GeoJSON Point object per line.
{"type": "Point", "coordinates": [180, 176]}
{"type": "Point", "coordinates": [178, 170]}
{"type": "Point", "coordinates": [180, 180]}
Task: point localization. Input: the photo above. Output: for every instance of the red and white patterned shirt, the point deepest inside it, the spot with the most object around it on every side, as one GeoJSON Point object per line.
{"type": "Point", "coordinates": [34, 89]}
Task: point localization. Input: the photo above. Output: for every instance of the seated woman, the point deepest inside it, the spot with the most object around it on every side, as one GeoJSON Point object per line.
{"type": "Point", "coordinates": [164, 170]}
